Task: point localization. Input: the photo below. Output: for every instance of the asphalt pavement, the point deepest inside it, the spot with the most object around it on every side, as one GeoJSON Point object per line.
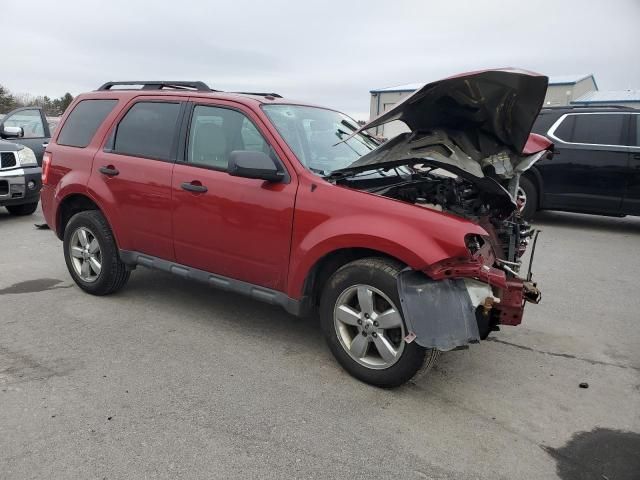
{"type": "Point", "coordinates": [171, 379]}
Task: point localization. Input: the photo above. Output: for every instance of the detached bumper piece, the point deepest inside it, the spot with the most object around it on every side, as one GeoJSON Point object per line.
{"type": "Point", "coordinates": [440, 314]}
{"type": "Point", "coordinates": [459, 301]}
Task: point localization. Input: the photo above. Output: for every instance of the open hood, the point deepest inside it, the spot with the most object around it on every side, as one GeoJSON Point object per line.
{"type": "Point", "coordinates": [477, 123]}
{"type": "Point", "coordinates": [501, 103]}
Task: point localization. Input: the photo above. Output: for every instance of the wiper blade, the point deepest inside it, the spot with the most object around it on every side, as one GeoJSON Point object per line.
{"type": "Point", "coordinates": [340, 174]}
{"type": "Point", "coordinates": [353, 128]}
{"type": "Point", "coordinates": [322, 173]}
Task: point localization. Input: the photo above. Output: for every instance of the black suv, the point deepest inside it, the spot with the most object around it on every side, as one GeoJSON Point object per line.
{"type": "Point", "coordinates": [596, 164]}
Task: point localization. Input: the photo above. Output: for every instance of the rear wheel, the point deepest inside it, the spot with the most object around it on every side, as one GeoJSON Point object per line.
{"type": "Point", "coordinates": [24, 209]}
{"type": "Point", "coordinates": [363, 324]}
{"type": "Point", "coordinates": [528, 198]}
{"type": "Point", "coordinates": [91, 254]}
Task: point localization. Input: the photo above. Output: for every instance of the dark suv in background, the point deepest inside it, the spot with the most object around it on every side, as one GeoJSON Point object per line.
{"type": "Point", "coordinates": [596, 163]}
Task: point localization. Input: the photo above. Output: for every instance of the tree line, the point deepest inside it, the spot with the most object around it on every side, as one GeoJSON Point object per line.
{"type": "Point", "coordinates": [53, 107]}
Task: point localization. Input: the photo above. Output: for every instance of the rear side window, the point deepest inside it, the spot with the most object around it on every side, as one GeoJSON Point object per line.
{"type": "Point", "coordinates": [594, 129]}
{"type": "Point", "coordinates": [599, 129]}
{"type": "Point", "coordinates": [148, 130]}
{"type": "Point", "coordinates": [83, 121]}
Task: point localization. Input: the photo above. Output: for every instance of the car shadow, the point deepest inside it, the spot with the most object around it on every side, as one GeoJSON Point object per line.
{"type": "Point", "coordinates": [581, 221]}
{"type": "Point", "coordinates": [236, 311]}
{"type": "Point", "coordinates": [5, 216]}
{"type": "Point", "coordinates": [294, 336]}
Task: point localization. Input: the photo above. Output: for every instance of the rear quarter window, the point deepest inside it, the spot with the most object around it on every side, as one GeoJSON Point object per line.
{"type": "Point", "coordinates": [83, 122]}
{"type": "Point", "coordinates": [544, 122]}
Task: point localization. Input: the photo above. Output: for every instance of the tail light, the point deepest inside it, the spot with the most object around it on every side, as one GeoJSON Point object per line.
{"type": "Point", "coordinates": [46, 165]}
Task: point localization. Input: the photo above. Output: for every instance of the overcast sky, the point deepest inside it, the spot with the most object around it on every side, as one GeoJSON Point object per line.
{"type": "Point", "coordinates": [326, 52]}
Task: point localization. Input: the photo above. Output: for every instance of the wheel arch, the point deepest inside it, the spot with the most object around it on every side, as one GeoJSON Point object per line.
{"type": "Point", "coordinates": [534, 176]}
{"type": "Point", "coordinates": [69, 206]}
{"type": "Point", "coordinates": [328, 264]}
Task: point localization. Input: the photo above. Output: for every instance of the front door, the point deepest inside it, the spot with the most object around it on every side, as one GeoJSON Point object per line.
{"type": "Point", "coordinates": [234, 227]}
{"type": "Point", "coordinates": [588, 171]}
{"type": "Point", "coordinates": [34, 125]}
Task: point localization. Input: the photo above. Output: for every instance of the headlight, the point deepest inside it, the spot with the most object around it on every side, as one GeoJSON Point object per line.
{"type": "Point", "coordinates": [474, 243]}
{"type": "Point", "coordinates": [27, 158]}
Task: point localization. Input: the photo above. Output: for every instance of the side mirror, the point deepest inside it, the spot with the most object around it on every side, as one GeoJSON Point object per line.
{"type": "Point", "coordinates": [250, 164]}
{"type": "Point", "coordinates": [11, 132]}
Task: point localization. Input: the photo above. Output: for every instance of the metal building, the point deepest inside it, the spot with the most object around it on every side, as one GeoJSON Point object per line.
{"type": "Point", "coordinates": [384, 99]}
{"type": "Point", "coordinates": [564, 89]}
{"type": "Point", "coordinates": [625, 98]}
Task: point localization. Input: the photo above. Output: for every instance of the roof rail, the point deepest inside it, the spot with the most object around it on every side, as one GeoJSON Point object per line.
{"type": "Point", "coordinates": [160, 85]}
{"type": "Point", "coordinates": [568, 107]}
{"type": "Point", "coordinates": [260, 94]}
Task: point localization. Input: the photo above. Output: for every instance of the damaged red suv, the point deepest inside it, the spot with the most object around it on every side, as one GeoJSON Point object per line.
{"type": "Point", "coordinates": [405, 248]}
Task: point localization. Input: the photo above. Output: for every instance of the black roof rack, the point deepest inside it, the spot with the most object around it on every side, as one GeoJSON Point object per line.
{"type": "Point", "coordinates": [260, 94]}
{"type": "Point", "coordinates": [160, 85]}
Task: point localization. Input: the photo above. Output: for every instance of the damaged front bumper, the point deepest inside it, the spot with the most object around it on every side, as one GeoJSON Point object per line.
{"type": "Point", "coordinates": [459, 301]}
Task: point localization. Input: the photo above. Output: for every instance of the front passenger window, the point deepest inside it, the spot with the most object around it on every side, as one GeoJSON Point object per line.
{"type": "Point", "coordinates": [216, 132]}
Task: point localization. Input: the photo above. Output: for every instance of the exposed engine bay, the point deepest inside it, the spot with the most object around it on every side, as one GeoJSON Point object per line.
{"type": "Point", "coordinates": [451, 194]}
{"type": "Point", "coordinates": [446, 172]}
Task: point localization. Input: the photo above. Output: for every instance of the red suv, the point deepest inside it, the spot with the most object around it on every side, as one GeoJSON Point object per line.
{"type": "Point", "coordinates": [406, 248]}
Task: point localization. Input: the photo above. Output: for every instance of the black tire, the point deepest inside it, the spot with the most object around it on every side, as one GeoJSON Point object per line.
{"type": "Point", "coordinates": [531, 205]}
{"type": "Point", "coordinates": [382, 274]}
{"type": "Point", "coordinates": [113, 273]}
{"type": "Point", "coordinates": [21, 210]}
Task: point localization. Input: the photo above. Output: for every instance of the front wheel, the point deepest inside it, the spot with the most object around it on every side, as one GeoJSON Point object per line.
{"type": "Point", "coordinates": [363, 324]}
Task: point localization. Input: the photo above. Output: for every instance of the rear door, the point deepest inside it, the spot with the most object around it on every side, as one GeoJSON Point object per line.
{"type": "Point", "coordinates": [631, 203]}
{"type": "Point", "coordinates": [589, 167]}
{"type": "Point", "coordinates": [235, 227]}
{"type": "Point", "coordinates": [132, 174]}
{"type": "Point", "coordinates": [34, 125]}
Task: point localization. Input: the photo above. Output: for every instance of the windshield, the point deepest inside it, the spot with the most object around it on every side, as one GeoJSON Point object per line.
{"type": "Point", "coordinates": [312, 133]}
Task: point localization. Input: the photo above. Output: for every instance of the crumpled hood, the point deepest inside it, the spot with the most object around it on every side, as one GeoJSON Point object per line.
{"type": "Point", "coordinates": [502, 103]}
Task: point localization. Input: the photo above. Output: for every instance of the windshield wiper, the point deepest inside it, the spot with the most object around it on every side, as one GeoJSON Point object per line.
{"type": "Point", "coordinates": [322, 173]}
{"type": "Point", "coordinates": [363, 133]}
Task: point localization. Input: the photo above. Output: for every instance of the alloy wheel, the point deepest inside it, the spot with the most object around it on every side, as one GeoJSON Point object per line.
{"type": "Point", "coordinates": [86, 255]}
{"type": "Point", "coordinates": [369, 326]}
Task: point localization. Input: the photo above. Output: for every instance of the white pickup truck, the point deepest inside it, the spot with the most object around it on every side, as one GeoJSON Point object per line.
{"type": "Point", "coordinates": [20, 159]}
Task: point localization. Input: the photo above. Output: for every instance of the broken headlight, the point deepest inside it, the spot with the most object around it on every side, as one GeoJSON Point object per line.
{"type": "Point", "coordinates": [474, 243]}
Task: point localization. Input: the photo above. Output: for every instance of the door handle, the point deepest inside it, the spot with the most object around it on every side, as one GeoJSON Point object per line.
{"type": "Point", "coordinates": [194, 186]}
{"type": "Point", "coordinates": [109, 171]}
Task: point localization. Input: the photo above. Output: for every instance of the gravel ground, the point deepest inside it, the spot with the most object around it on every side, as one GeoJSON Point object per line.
{"type": "Point", "coordinates": [170, 379]}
